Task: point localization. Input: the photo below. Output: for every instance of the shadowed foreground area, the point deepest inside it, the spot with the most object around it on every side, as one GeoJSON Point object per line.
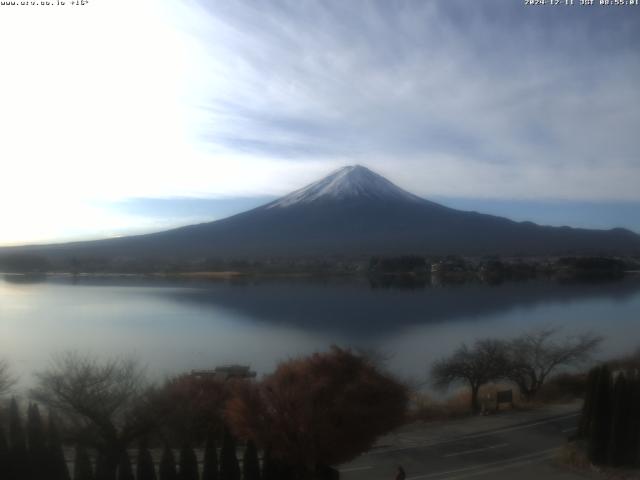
{"type": "Point", "coordinates": [311, 413]}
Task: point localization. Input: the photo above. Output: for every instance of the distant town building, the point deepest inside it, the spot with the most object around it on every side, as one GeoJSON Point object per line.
{"type": "Point", "coordinates": [225, 372]}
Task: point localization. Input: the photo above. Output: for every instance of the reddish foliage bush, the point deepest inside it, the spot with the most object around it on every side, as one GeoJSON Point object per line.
{"type": "Point", "coordinates": [319, 410]}
{"type": "Point", "coordinates": [189, 406]}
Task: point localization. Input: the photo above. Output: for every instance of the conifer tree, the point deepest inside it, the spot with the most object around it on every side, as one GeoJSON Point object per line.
{"type": "Point", "coordinates": [19, 466]}
{"type": "Point", "coordinates": [82, 465]}
{"type": "Point", "coordinates": [586, 416]}
{"type": "Point", "coordinates": [250, 462]}
{"type": "Point", "coordinates": [633, 453]}
{"type": "Point", "coordinates": [599, 429]}
{"type": "Point", "coordinates": [210, 467]}
{"type": "Point", "coordinates": [229, 468]}
{"type": "Point", "coordinates": [57, 463]}
{"type": "Point", "coordinates": [103, 472]}
{"type": "Point", "coordinates": [35, 429]}
{"type": "Point", "coordinates": [188, 463]}
{"type": "Point", "coordinates": [274, 469]}
{"type": "Point", "coordinates": [37, 442]}
{"type": "Point", "coordinates": [145, 469]}
{"type": "Point", "coordinates": [268, 466]}
{"type": "Point", "coordinates": [4, 455]}
{"type": "Point", "coordinates": [285, 472]}
{"type": "Point", "coordinates": [168, 465]}
{"type": "Point", "coordinates": [125, 472]}
{"type": "Point", "coordinates": [619, 434]}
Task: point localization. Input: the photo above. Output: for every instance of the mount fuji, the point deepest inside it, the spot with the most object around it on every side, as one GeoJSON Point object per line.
{"type": "Point", "coordinates": [353, 212]}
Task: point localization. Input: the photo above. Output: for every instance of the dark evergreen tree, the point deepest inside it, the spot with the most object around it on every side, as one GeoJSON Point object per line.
{"type": "Point", "coordinates": [599, 430]}
{"type": "Point", "coordinates": [19, 465]}
{"type": "Point", "coordinates": [37, 443]}
{"type": "Point", "coordinates": [618, 447]}
{"type": "Point", "coordinates": [274, 469]}
{"type": "Point", "coordinates": [268, 466]}
{"type": "Point", "coordinates": [145, 469]}
{"type": "Point", "coordinates": [229, 468]}
{"type": "Point", "coordinates": [4, 455]}
{"type": "Point", "coordinates": [125, 472]}
{"type": "Point", "coordinates": [57, 463]}
{"type": "Point", "coordinates": [35, 429]}
{"type": "Point", "coordinates": [633, 454]}
{"type": "Point", "coordinates": [210, 467]}
{"type": "Point", "coordinates": [610, 420]}
{"type": "Point", "coordinates": [286, 472]}
{"type": "Point", "coordinates": [250, 462]}
{"type": "Point", "coordinates": [188, 463]}
{"type": "Point", "coordinates": [587, 407]}
{"type": "Point", "coordinates": [103, 471]}
{"type": "Point", "coordinates": [168, 465]}
{"type": "Point", "coordinates": [82, 469]}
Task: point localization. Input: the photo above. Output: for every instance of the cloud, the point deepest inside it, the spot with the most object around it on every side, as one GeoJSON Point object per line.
{"type": "Point", "coordinates": [513, 94]}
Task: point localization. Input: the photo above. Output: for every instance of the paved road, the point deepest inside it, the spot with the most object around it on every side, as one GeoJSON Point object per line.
{"type": "Point", "coordinates": [522, 451]}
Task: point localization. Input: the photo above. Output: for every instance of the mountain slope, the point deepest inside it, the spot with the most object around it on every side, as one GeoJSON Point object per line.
{"type": "Point", "coordinates": [351, 212]}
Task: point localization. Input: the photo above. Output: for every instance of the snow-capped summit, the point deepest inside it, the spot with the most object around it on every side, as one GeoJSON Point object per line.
{"type": "Point", "coordinates": [353, 181]}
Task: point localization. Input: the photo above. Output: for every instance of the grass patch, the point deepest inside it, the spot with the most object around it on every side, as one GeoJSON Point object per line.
{"type": "Point", "coordinates": [573, 455]}
{"type": "Point", "coordinates": [427, 408]}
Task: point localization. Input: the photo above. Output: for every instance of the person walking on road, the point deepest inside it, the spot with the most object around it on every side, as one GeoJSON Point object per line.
{"type": "Point", "coordinates": [400, 475]}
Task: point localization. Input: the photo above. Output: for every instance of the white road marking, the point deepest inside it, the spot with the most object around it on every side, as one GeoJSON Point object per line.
{"type": "Point", "coordinates": [476, 435]}
{"type": "Point", "coordinates": [465, 452]}
{"type": "Point", "coordinates": [355, 469]}
{"type": "Point", "coordinates": [482, 468]}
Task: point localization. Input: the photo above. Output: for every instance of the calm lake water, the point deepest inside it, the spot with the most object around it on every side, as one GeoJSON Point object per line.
{"type": "Point", "coordinates": [175, 326]}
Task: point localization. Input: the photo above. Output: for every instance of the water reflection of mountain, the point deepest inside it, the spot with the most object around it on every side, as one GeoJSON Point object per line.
{"type": "Point", "coordinates": [353, 308]}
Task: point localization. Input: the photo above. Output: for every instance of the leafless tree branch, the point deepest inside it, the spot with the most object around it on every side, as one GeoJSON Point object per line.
{"type": "Point", "coordinates": [7, 381]}
{"type": "Point", "coordinates": [475, 366]}
{"type": "Point", "coordinates": [533, 356]}
{"type": "Point", "coordinates": [98, 397]}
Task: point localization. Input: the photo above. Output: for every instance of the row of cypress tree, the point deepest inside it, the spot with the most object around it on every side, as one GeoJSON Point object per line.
{"type": "Point", "coordinates": [31, 451]}
{"type": "Point", "coordinates": [610, 420]}
{"type": "Point", "coordinates": [186, 467]}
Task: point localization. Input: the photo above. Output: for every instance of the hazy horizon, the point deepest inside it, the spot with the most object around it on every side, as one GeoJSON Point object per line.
{"type": "Point", "coordinates": [197, 111]}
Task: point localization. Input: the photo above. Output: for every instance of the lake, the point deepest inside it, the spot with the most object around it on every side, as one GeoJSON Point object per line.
{"type": "Point", "coordinates": [174, 326]}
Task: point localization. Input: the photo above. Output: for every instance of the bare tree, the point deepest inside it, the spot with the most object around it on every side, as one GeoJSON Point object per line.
{"type": "Point", "coordinates": [475, 366]}
{"type": "Point", "coordinates": [535, 355]}
{"type": "Point", "coordinates": [7, 381]}
{"type": "Point", "coordinates": [99, 399]}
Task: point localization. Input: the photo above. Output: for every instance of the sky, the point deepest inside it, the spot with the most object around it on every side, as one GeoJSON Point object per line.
{"type": "Point", "coordinates": [127, 116]}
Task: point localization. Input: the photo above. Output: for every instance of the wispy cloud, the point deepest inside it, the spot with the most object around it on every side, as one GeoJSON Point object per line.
{"type": "Point", "coordinates": [534, 103]}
